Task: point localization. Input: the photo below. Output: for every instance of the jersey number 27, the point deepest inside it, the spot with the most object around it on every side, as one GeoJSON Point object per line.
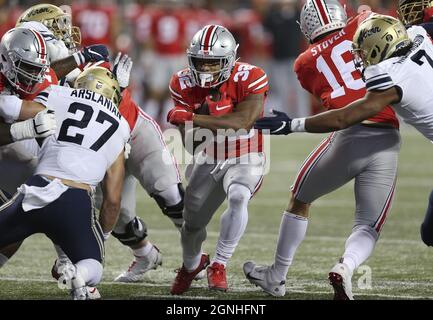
{"type": "Point", "coordinates": [83, 123]}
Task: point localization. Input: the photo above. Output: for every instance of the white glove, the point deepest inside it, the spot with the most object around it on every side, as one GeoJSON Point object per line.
{"type": "Point", "coordinates": [122, 69]}
{"type": "Point", "coordinates": [41, 126]}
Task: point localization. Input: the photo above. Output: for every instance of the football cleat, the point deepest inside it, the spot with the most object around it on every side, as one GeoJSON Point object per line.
{"type": "Point", "coordinates": [140, 265]}
{"type": "Point", "coordinates": [341, 280]}
{"type": "Point", "coordinates": [183, 279]}
{"type": "Point", "coordinates": [93, 293]}
{"type": "Point", "coordinates": [261, 276]}
{"type": "Point", "coordinates": [216, 277]}
{"type": "Point", "coordinates": [59, 266]}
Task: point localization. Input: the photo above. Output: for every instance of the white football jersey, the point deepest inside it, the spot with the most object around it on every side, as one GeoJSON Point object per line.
{"type": "Point", "coordinates": [90, 135]}
{"type": "Point", "coordinates": [412, 75]}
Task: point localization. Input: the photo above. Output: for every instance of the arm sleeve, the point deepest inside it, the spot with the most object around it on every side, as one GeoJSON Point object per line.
{"type": "Point", "coordinates": [10, 108]}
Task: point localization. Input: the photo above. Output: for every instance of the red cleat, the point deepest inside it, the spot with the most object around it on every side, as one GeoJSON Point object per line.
{"type": "Point", "coordinates": [216, 277]}
{"type": "Point", "coordinates": [183, 279]}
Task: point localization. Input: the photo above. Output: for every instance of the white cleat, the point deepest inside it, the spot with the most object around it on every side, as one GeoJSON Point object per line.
{"type": "Point", "coordinates": [93, 293]}
{"type": "Point", "coordinates": [140, 265]}
{"type": "Point", "coordinates": [340, 279]}
{"type": "Point", "coordinates": [261, 276]}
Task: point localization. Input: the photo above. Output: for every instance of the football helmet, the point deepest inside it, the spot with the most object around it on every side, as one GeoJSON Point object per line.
{"type": "Point", "coordinates": [321, 16]}
{"type": "Point", "coordinates": [411, 12]}
{"type": "Point", "coordinates": [99, 80]}
{"type": "Point", "coordinates": [57, 21]}
{"type": "Point", "coordinates": [378, 38]}
{"type": "Point", "coordinates": [24, 59]}
{"type": "Point", "coordinates": [213, 46]}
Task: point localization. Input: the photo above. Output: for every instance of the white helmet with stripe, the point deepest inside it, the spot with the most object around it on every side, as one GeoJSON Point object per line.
{"type": "Point", "coordinates": [24, 58]}
{"type": "Point", "coordinates": [321, 16]}
{"type": "Point", "coordinates": [214, 45]}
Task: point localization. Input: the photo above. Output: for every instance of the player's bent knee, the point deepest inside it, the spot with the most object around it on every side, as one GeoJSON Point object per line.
{"type": "Point", "coordinates": [174, 211]}
{"type": "Point", "coordinates": [427, 234]}
{"type": "Point", "coordinates": [135, 232]}
{"type": "Point", "coordinates": [90, 270]}
{"type": "Point", "coordinates": [238, 194]}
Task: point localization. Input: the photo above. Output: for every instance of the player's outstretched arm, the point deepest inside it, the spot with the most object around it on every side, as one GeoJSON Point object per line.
{"type": "Point", "coordinates": [93, 53]}
{"type": "Point", "coordinates": [354, 113]}
{"type": "Point", "coordinates": [242, 117]}
{"type": "Point", "coordinates": [112, 192]}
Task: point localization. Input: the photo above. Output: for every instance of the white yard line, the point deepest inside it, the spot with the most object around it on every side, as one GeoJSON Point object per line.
{"type": "Point", "coordinates": [240, 289]}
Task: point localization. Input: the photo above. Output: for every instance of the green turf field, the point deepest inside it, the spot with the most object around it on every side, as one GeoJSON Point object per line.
{"type": "Point", "coordinates": [402, 267]}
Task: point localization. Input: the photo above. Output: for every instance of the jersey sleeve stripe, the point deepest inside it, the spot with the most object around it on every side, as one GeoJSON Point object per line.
{"type": "Point", "coordinates": [381, 84]}
{"type": "Point", "coordinates": [257, 81]}
{"type": "Point", "coordinates": [180, 101]}
{"type": "Point", "coordinates": [174, 92]}
{"type": "Point", "coordinates": [261, 86]}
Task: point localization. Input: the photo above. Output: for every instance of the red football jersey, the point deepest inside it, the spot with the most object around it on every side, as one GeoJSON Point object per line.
{"type": "Point", "coordinates": [244, 80]}
{"type": "Point", "coordinates": [326, 69]}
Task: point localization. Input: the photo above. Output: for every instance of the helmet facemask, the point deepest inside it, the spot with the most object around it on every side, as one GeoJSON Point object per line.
{"type": "Point", "coordinates": [26, 75]}
{"type": "Point", "coordinates": [411, 12]}
{"type": "Point", "coordinates": [62, 28]}
{"type": "Point", "coordinates": [210, 71]}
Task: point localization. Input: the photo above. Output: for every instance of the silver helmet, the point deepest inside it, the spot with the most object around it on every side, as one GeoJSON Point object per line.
{"type": "Point", "coordinates": [212, 45]}
{"type": "Point", "coordinates": [24, 58]}
{"type": "Point", "coordinates": [321, 16]}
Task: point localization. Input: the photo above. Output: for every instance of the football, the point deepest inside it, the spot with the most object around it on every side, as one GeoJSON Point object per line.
{"type": "Point", "coordinates": [215, 95]}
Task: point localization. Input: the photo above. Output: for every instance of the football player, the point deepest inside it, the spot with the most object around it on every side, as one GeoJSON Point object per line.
{"type": "Point", "coordinates": [23, 74]}
{"type": "Point", "coordinates": [415, 12]}
{"type": "Point", "coordinates": [150, 162]}
{"type": "Point", "coordinates": [393, 60]}
{"type": "Point", "coordinates": [231, 95]}
{"type": "Point", "coordinates": [58, 199]}
{"type": "Point", "coordinates": [326, 70]}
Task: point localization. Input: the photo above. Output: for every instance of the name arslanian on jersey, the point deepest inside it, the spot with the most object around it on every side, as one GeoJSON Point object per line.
{"type": "Point", "coordinates": [95, 97]}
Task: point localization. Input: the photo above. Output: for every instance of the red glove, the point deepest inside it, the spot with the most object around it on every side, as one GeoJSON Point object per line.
{"type": "Point", "coordinates": [217, 108]}
{"type": "Point", "coordinates": [179, 115]}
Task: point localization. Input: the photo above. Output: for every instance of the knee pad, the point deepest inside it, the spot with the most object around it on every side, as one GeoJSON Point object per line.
{"type": "Point", "coordinates": [173, 212]}
{"type": "Point", "coordinates": [238, 194]}
{"type": "Point", "coordinates": [135, 232]}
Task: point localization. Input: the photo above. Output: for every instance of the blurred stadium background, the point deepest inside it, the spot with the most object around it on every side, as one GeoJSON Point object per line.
{"type": "Point", "coordinates": [156, 33]}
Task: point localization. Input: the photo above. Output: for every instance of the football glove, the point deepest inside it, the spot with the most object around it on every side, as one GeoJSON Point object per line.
{"type": "Point", "coordinates": [122, 69]}
{"type": "Point", "coordinates": [179, 115]}
{"type": "Point", "coordinates": [280, 124]}
{"type": "Point", "coordinates": [93, 53]}
{"type": "Point", "coordinates": [41, 126]}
